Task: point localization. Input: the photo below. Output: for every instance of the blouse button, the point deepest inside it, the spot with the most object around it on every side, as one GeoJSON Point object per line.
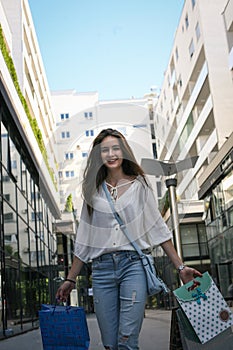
{"type": "Point", "coordinates": [116, 228]}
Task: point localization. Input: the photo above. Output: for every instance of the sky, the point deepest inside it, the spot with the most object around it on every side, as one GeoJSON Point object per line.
{"type": "Point", "coordinates": [118, 48]}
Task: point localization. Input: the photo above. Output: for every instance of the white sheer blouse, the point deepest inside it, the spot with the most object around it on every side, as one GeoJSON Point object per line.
{"type": "Point", "coordinates": [100, 233]}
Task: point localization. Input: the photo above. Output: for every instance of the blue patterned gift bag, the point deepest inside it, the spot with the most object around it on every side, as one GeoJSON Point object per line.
{"type": "Point", "coordinates": [63, 328]}
{"type": "Point", "coordinates": [205, 307]}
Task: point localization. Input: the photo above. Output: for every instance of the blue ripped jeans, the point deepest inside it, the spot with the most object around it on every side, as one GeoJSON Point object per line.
{"type": "Point", "coordinates": [119, 287]}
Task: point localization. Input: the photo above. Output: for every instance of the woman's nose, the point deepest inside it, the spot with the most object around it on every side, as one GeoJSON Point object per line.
{"type": "Point", "coordinates": [110, 151]}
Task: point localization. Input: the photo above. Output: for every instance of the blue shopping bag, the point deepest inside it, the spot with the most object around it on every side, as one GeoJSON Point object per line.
{"type": "Point", "coordinates": [63, 327]}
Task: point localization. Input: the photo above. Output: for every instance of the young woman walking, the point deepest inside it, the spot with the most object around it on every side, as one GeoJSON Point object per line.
{"type": "Point", "coordinates": [118, 277]}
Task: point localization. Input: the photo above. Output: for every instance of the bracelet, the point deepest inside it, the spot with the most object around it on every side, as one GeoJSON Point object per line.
{"type": "Point", "coordinates": [180, 268]}
{"type": "Point", "coordinates": [70, 280]}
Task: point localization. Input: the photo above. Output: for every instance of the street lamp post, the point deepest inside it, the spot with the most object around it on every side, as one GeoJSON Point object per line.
{"type": "Point", "coordinates": [171, 186]}
{"type": "Point", "coordinates": [159, 168]}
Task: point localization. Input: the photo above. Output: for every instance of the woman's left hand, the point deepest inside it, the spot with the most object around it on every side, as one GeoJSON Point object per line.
{"type": "Point", "coordinates": [188, 274]}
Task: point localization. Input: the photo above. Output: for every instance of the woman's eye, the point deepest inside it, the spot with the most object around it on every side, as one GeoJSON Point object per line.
{"type": "Point", "coordinates": [104, 150]}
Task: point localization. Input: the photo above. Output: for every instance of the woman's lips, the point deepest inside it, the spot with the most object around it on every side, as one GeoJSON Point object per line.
{"type": "Point", "coordinates": [112, 160]}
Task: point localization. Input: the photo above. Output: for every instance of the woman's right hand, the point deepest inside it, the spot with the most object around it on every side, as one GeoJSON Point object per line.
{"type": "Point", "coordinates": [64, 291]}
{"type": "Point", "coordinates": [70, 283]}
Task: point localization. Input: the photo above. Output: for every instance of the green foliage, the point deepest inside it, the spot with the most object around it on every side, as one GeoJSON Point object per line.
{"type": "Point", "coordinates": [8, 250]}
{"type": "Point", "coordinates": [69, 204]}
{"type": "Point", "coordinates": [164, 204]}
{"type": "Point", "coordinates": [32, 121]}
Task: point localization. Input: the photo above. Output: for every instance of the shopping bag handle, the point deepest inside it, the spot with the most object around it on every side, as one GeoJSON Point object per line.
{"type": "Point", "coordinates": [56, 303]}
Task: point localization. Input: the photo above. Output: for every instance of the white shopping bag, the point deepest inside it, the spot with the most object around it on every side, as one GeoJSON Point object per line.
{"type": "Point", "coordinates": [205, 307]}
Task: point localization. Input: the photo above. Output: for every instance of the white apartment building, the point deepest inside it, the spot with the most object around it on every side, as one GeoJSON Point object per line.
{"type": "Point", "coordinates": [20, 36]}
{"type": "Point", "coordinates": [80, 117]}
{"type": "Point", "coordinates": [28, 173]}
{"type": "Point", "coordinates": [193, 116]}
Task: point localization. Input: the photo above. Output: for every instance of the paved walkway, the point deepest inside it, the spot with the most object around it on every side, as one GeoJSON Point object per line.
{"type": "Point", "coordinates": [155, 334]}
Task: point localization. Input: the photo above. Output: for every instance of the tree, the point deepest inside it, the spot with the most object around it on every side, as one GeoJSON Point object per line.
{"type": "Point", "coordinates": [69, 204]}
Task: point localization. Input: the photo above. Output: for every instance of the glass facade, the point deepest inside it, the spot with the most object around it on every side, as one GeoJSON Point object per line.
{"type": "Point", "coordinates": [27, 243]}
{"type": "Point", "coordinates": [219, 226]}
{"type": "Point", "coordinates": [194, 242]}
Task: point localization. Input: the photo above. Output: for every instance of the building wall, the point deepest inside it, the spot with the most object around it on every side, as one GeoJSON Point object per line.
{"type": "Point", "coordinates": [193, 117]}
{"type": "Point", "coordinates": [193, 114]}
{"type": "Point", "coordinates": [217, 191]}
{"type": "Point", "coordinates": [29, 199]}
{"type": "Point", "coordinates": [31, 74]}
{"type": "Point", "coordinates": [80, 117]}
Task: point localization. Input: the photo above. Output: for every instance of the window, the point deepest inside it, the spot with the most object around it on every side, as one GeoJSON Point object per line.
{"type": "Point", "coordinates": [14, 164]}
{"type": "Point", "coordinates": [171, 104]}
{"type": "Point", "coordinates": [152, 131]}
{"type": "Point", "coordinates": [35, 195]}
{"type": "Point", "coordinates": [69, 173]}
{"type": "Point", "coordinates": [164, 95]}
{"type": "Point", "coordinates": [139, 126]}
{"type": "Point", "coordinates": [161, 106]}
{"type": "Point", "coordinates": [191, 49]}
{"type": "Point", "coordinates": [186, 21]}
{"type": "Point", "coordinates": [34, 254]}
{"type": "Point", "coordinates": [69, 155]}
{"type": "Point", "coordinates": [84, 154]}
{"type": "Point", "coordinates": [41, 235]}
{"type": "Point", "coordinates": [39, 215]}
{"type": "Point", "coordinates": [65, 134]}
{"type": "Point", "coordinates": [88, 115]}
{"type": "Point", "coordinates": [89, 133]}
{"type": "Point", "coordinates": [64, 116]}
{"type": "Point", "coordinates": [11, 238]}
{"type": "Point", "coordinates": [180, 81]}
{"type": "Point", "coordinates": [7, 196]}
{"type": "Point", "coordinates": [193, 3]}
{"type": "Point", "coordinates": [186, 131]}
{"type": "Point", "coordinates": [60, 175]}
{"type": "Point", "coordinates": [177, 54]}
{"type": "Point", "coordinates": [197, 30]}
{"type": "Point", "coordinates": [194, 241]}
{"type": "Point", "coordinates": [151, 113]}
{"type": "Point", "coordinates": [8, 216]}
{"type": "Point", "coordinates": [155, 154]}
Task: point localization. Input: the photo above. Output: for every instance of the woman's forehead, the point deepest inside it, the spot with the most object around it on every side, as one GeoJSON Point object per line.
{"type": "Point", "coordinates": [109, 141]}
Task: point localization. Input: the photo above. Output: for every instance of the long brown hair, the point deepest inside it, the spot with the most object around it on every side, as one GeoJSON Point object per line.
{"type": "Point", "coordinates": [96, 172]}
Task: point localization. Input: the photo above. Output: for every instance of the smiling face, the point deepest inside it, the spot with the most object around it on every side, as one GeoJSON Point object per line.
{"type": "Point", "coordinates": [111, 152]}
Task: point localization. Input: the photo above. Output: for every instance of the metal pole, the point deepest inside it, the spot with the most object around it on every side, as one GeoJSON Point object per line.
{"type": "Point", "coordinates": [171, 185]}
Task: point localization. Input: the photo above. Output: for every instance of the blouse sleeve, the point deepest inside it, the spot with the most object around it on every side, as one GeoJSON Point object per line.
{"type": "Point", "coordinates": [82, 249]}
{"type": "Point", "coordinates": [143, 217]}
{"type": "Point", "coordinates": [159, 231]}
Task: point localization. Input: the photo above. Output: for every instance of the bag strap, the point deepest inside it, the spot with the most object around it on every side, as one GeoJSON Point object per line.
{"type": "Point", "coordinates": [120, 221]}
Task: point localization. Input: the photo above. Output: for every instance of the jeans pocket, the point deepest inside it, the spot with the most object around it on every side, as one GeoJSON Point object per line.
{"type": "Point", "coordinates": [134, 257]}
{"type": "Point", "coordinates": [95, 264]}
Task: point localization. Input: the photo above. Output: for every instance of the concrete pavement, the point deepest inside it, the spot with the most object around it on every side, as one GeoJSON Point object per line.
{"type": "Point", "coordinates": [155, 334]}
